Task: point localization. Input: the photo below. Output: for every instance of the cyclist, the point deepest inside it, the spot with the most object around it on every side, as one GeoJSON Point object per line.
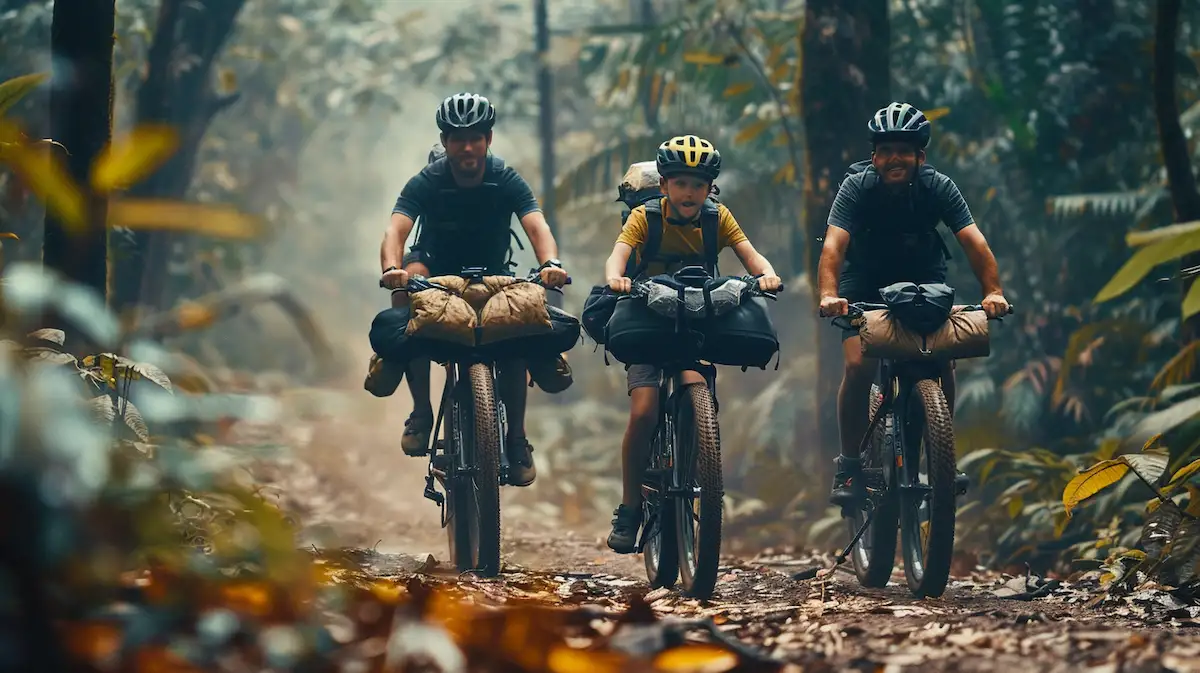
{"type": "Point", "coordinates": [687, 166]}
{"type": "Point", "coordinates": [883, 223]}
{"type": "Point", "coordinates": [466, 201]}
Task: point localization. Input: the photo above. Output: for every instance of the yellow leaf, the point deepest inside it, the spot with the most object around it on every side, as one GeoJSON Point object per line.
{"type": "Point", "coordinates": [127, 160]}
{"type": "Point", "coordinates": [44, 174]}
{"type": "Point", "coordinates": [7, 234]}
{"type": "Point", "coordinates": [228, 79]}
{"type": "Point", "coordinates": [1191, 302]}
{"type": "Point", "coordinates": [1099, 477]}
{"type": "Point", "coordinates": [1182, 475]}
{"type": "Point", "coordinates": [1015, 506]}
{"type": "Point", "coordinates": [703, 58]}
{"type": "Point", "coordinates": [786, 173]}
{"type": "Point", "coordinates": [17, 88]}
{"type": "Point", "coordinates": [991, 194]}
{"type": "Point", "coordinates": [738, 89]}
{"type": "Point", "coordinates": [1144, 260]}
{"type": "Point", "coordinates": [1179, 368]}
{"type": "Point", "coordinates": [1193, 508]}
{"type": "Point", "coordinates": [192, 315]}
{"type": "Point", "coordinates": [163, 215]}
{"type": "Point", "coordinates": [563, 659]}
{"type": "Point", "coordinates": [753, 130]}
{"type": "Point", "coordinates": [936, 113]}
{"type": "Point", "coordinates": [696, 658]}
{"type": "Point", "coordinates": [1144, 237]}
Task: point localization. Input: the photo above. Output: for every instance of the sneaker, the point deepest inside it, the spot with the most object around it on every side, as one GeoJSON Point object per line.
{"type": "Point", "coordinates": [847, 483]}
{"type": "Point", "coordinates": [521, 471]}
{"type": "Point", "coordinates": [625, 524]}
{"type": "Point", "coordinates": [415, 441]}
{"type": "Point", "coordinates": [552, 375]}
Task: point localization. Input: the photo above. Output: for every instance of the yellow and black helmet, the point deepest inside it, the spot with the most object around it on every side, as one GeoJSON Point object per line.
{"type": "Point", "coordinates": [688, 155]}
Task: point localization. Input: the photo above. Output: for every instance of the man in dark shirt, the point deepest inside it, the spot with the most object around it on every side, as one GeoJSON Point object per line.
{"type": "Point", "coordinates": [465, 201]}
{"type": "Point", "coordinates": [883, 222]}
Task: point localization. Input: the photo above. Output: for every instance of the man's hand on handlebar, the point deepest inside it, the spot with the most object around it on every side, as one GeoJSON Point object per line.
{"type": "Point", "coordinates": [995, 305]}
{"type": "Point", "coordinates": [832, 307]}
{"type": "Point", "coordinates": [553, 277]}
{"type": "Point", "coordinates": [620, 285]}
{"type": "Point", "coordinates": [770, 283]}
{"type": "Point", "coordinates": [393, 279]}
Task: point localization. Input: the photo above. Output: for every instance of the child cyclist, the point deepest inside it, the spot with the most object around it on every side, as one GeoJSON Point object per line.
{"type": "Point", "coordinates": [687, 166]}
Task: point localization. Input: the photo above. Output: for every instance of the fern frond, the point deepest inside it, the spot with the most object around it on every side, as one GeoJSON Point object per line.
{"type": "Point", "coordinates": [1105, 204]}
{"type": "Point", "coordinates": [1178, 369]}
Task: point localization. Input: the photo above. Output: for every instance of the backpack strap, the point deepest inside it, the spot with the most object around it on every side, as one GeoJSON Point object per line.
{"type": "Point", "coordinates": [710, 220]}
{"type": "Point", "coordinates": [654, 232]}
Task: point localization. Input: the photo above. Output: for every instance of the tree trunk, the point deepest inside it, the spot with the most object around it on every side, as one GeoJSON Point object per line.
{"type": "Point", "coordinates": [177, 90]}
{"type": "Point", "coordinates": [1185, 197]}
{"type": "Point", "coordinates": [81, 40]}
{"type": "Point", "coordinates": [845, 79]}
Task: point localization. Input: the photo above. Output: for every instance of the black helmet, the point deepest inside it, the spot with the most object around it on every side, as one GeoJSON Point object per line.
{"type": "Point", "coordinates": [688, 155]}
{"type": "Point", "coordinates": [900, 122]}
{"type": "Point", "coordinates": [466, 111]}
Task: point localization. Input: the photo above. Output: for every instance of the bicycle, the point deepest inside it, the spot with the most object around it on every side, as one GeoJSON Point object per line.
{"type": "Point", "coordinates": [470, 461]}
{"type": "Point", "coordinates": [897, 501]}
{"type": "Point", "coordinates": [682, 487]}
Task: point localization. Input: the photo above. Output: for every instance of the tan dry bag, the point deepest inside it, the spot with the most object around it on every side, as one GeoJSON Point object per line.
{"type": "Point", "coordinates": [515, 309]}
{"type": "Point", "coordinates": [445, 316]}
{"type": "Point", "coordinates": [963, 335]}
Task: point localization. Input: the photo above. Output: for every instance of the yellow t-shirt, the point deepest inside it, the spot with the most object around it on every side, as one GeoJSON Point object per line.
{"type": "Point", "coordinates": [678, 240]}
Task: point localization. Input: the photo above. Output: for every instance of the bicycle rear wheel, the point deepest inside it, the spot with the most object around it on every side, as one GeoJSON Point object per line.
{"type": "Point", "coordinates": [874, 556]}
{"type": "Point", "coordinates": [660, 553]}
{"type": "Point", "coordinates": [475, 524]}
{"type": "Point", "coordinates": [927, 517]}
{"type": "Point", "coordinates": [698, 468]}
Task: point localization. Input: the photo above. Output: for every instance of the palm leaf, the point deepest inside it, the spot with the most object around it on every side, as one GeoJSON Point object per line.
{"type": "Point", "coordinates": [1107, 204]}
{"type": "Point", "coordinates": [1144, 260]}
{"type": "Point", "coordinates": [595, 179]}
{"type": "Point", "coordinates": [1178, 369]}
{"type": "Point", "coordinates": [1137, 238]}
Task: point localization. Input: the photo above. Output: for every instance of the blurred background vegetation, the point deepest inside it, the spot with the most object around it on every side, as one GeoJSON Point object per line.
{"type": "Point", "coordinates": [257, 148]}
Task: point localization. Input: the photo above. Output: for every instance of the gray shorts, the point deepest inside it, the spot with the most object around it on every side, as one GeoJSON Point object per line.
{"type": "Point", "coordinates": [642, 376]}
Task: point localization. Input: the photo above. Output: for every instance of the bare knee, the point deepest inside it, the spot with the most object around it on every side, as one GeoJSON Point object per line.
{"type": "Point", "coordinates": [643, 410]}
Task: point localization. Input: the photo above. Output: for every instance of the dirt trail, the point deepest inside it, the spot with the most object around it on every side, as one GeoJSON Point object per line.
{"type": "Point", "coordinates": [354, 488]}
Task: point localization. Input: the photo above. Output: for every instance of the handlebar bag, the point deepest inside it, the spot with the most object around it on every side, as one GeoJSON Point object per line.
{"type": "Point", "coordinates": [514, 309]}
{"type": "Point", "coordinates": [743, 336]}
{"type": "Point", "coordinates": [597, 310]}
{"type": "Point", "coordinates": [443, 315]}
{"type": "Point", "coordinates": [561, 337]}
{"type": "Point", "coordinates": [638, 335]}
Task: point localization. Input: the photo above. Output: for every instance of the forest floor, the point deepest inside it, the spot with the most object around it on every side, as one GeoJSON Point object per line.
{"type": "Point", "coordinates": [353, 489]}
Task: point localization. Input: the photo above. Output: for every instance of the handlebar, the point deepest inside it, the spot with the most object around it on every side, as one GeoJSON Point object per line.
{"type": "Point", "coordinates": [417, 283]}
{"type": "Point", "coordinates": [640, 288]}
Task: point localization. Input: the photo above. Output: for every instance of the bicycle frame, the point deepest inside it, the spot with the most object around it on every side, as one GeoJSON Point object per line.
{"type": "Point", "coordinates": [897, 381]}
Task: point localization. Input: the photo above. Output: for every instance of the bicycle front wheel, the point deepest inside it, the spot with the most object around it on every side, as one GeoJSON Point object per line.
{"type": "Point", "coordinates": [874, 555]}
{"type": "Point", "coordinates": [702, 492]}
{"type": "Point", "coordinates": [475, 534]}
{"type": "Point", "coordinates": [661, 550]}
{"type": "Point", "coordinates": [927, 516]}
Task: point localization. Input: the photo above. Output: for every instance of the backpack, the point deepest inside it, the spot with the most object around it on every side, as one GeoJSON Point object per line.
{"type": "Point", "coordinates": [640, 187]}
{"type": "Point", "coordinates": [923, 186]}
{"type": "Point", "coordinates": [438, 152]}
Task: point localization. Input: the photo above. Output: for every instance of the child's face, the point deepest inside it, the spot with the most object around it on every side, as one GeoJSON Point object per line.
{"type": "Point", "coordinates": [686, 194]}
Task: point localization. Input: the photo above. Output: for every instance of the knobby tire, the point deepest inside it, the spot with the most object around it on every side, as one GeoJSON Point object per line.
{"type": "Point", "coordinates": [478, 495]}
{"type": "Point", "coordinates": [928, 570]}
{"type": "Point", "coordinates": [875, 556]}
{"type": "Point", "coordinates": [698, 442]}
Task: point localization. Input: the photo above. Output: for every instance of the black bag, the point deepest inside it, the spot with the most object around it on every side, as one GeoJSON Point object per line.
{"type": "Point", "coordinates": [742, 337]}
{"type": "Point", "coordinates": [562, 337]}
{"type": "Point", "coordinates": [920, 308]}
{"type": "Point", "coordinates": [597, 309]}
{"type": "Point", "coordinates": [388, 334]}
{"type": "Point", "coordinates": [636, 335]}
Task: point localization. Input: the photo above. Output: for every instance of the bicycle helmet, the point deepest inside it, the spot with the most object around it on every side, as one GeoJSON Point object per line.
{"type": "Point", "coordinates": [900, 122]}
{"type": "Point", "coordinates": [466, 111]}
{"type": "Point", "coordinates": [688, 155]}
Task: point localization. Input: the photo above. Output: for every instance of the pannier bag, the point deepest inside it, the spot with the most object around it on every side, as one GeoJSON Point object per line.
{"type": "Point", "coordinates": [551, 374]}
{"type": "Point", "coordinates": [597, 310]}
{"type": "Point", "coordinates": [513, 310]}
{"type": "Point", "coordinates": [443, 315]}
{"type": "Point", "coordinates": [391, 345]}
{"type": "Point", "coordinates": [964, 334]}
{"type": "Point", "coordinates": [920, 308]}
{"type": "Point", "coordinates": [383, 376]}
{"type": "Point", "coordinates": [560, 338]}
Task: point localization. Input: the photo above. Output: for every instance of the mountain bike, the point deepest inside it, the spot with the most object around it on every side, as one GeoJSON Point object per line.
{"type": "Point", "coordinates": [682, 488]}
{"type": "Point", "coordinates": [909, 475]}
{"type": "Point", "coordinates": [466, 450]}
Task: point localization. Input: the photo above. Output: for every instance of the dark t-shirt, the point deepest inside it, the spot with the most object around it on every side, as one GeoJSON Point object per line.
{"type": "Point", "coordinates": [876, 265]}
{"type": "Point", "coordinates": [465, 226]}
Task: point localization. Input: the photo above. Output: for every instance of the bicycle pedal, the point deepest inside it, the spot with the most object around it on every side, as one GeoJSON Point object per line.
{"type": "Point", "coordinates": [432, 493]}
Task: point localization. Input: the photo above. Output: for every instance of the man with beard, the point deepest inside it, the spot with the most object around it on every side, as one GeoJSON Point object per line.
{"type": "Point", "coordinates": [466, 200]}
{"type": "Point", "coordinates": [884, 223]}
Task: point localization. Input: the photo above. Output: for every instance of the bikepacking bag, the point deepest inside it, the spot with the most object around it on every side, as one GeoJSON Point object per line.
{"type": "Point", "coordinates": [561, 337]}
{"type": "Point", "coordinates": [922, 322]}
{"type": "Point", "coordinates": [512, 309]}
{"type": "Point", "coordinates": [442, 314]}
{"type": "Point", "coordinates": [637, 335]}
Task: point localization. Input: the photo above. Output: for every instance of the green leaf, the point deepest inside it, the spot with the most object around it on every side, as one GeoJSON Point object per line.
{"type": "Point", "coordinates": [1138, 238]}
{"type": "Point", "coordinates": [1182, 475]}
{"type": "Point", "coordinates": [1144, 260]}
{"type": "Point", "coordinates": [1191, 302]}
{"type": "Point", "coordinates": [17, 88]}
